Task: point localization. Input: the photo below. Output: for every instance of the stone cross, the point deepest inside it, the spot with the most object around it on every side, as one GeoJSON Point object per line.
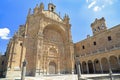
{"type": "Point", "coordinates": [23, 70]}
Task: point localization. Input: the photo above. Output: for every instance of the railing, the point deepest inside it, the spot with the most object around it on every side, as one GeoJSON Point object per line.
{"type": "Point", "coordinates": [102, 50]}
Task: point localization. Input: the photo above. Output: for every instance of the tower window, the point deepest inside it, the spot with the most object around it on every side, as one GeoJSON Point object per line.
{"type": "Point", "coordinates": [102, 26]}
{"type": "Point", "coordinates": [52, 9]}
{"type": "Point", "coordinates": [109, 38]}
{"type": "Point", "coordinates": [2, 63]}
{"type": "Point", "coordinates": [98, 28]}
{"type": "Point", "coordinates": [94, 43]}
{"type": "Point", "coordinates": [95, 30]}
{"type": "Point", "coordinates": [83, 47]}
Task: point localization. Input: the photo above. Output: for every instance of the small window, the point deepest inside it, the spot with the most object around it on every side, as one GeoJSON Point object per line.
{"type": "Point", "coordinates": [2, 62]}
{"type": "Point", "coordinates": [95, 30]}
{"type": "Point", "coordinates": [20, 44]}
{"type": "Point", "coordinates": [52, 9]}
{"type": "Point", "coordinates": [83, 47]}
{"type": "Point", "coordinates": [94, 43]}
{"type": "Point", "coordinates": [98, 28]}
{"type": "Point", "coordinates": [109, 38]}
{"type": "Point", "coordinates": [102, 26]}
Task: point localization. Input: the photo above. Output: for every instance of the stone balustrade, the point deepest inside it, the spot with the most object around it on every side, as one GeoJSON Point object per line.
{"type": "Point", "coordinates": [101, 50]}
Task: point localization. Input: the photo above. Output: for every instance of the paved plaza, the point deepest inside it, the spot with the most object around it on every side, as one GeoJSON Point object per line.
{"type": "Point", "coordinates": [69, 77]}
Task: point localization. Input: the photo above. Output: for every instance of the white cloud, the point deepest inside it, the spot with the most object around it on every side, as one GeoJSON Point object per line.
{"type": "Point", "coordinates": [4, 32]}
{"type": "Point", "coordinates": [87, 1]}
{"type": "Point", "coordinates": [98, 5]}
{"type": "Point", "coordinates": [96, 8]}
{"type": "Point", "coordinates": [91, 4]}
{"type": "Point", "coordinates": [103, 6]}
{"type": "Point", "coordinates": [109, 1]}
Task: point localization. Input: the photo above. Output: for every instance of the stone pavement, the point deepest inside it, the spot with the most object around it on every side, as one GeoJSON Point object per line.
{"type": "Point", "coordinates": [47, 77]}
{"type": "Point", "coordinates": [68, 77]}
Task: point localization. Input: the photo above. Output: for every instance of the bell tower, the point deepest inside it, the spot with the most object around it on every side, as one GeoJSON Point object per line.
{"type": "Point", "coordinates": [98, 26]}
{"type": "Point", "coordinates": [51, 7]}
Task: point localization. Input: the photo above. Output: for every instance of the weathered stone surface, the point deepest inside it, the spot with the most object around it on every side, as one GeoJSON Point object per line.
{"type": "Point", "coordinates": [45, 42]}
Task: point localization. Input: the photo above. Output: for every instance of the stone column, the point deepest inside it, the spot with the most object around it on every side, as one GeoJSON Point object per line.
{"type": "Point", "coordinates": [109, 64]}
{"type": "Point", "coordinates": [44, 65]}
{"type": "Point", "coordinates": [39, 55]}
{"type": "Point", "coordinates": [58, 67]}
{"type": "Point", "coordinates": [47, 68]}
{"type": "Point", "coordinates": [81, 69]}
{"type": "Point", "coordinates": [110, 70]}
{"type": "Point", "coordinates": [23, 70]}
{"type": "Point", "coordinates": [93, 67]}
{"type": "Point", "coordinates": [73, 64]}
{"type": "Point", "coordinates": [72, 67]}
{"type": "Point", "coordinates": [118, 60]}
{"type": "Point", "coordinates": [101, 67]}
{"type": "Point", "coordinates": [87, 68]}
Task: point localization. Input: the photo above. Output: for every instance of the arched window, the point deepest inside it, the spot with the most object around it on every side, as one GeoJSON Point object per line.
{"type": "Point", "coordinates": [52, 51]}
{"type": "Point", "coordinates": [90, 66]}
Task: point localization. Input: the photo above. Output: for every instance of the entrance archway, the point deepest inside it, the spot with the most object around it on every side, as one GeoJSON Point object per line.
{"type": "Point", "coordinates": [114, 64]}
{"type": "Point", "coordinates": [84, 67]}
{"type": "Point", "coordinates": [105, 65]}
{"type": "Point", "coordinates": [52, 68]}
{"type": "Point", "coordinates": [97, 66]}
{"type": "Point", "coordinates": [90, 66]}
{"type": "Point", "coordinates": [75, 71]}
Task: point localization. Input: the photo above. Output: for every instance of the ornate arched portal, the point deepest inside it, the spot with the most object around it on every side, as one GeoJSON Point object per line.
{"type": "Point", "coordinates": [52, 68]}
{"type": "Point", "coordinates": [54, 45]}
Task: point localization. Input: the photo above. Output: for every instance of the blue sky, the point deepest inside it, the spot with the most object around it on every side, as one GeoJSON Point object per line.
{"type": "Point", "coordinates": [81, 12]}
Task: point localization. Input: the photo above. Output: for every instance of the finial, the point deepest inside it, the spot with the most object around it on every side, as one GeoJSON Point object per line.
{"type": "Point", "coordinates": [29, 12]}
{"type": "Point", "coordinates": [36, 5]}
{"type": "Point", "coordinates": [103, 18]}
{"type": "Point", "coordinates": [41, 6]}
{"type": "Point", "coordinates": [36, 9]}
{"type": "Point", "coordinates": [65, 14]}
{"type": "Point", "coordinates": [59, 14]}
{"type": "Point", "coordinates": [66, 18]}
{"type": "Point", "coordinates": [50, 1]}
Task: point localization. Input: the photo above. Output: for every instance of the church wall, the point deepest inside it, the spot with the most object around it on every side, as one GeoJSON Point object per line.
{"type": "Point", "coordinates": [45, 42]}
{"type": "Point", "coordinates": [102, 48]}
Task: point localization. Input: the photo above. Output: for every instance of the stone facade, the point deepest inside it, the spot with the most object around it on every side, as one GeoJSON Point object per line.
{"type": "Point", "coordinates": [45, 42]}
{"type": "Point", "coordinates": [100, 52]}
{"type": "Point", "coordinates": [2, 65]}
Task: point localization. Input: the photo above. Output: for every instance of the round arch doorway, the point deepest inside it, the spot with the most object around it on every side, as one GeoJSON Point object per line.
{"type": "Point", "coordinates": [52, 68]}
